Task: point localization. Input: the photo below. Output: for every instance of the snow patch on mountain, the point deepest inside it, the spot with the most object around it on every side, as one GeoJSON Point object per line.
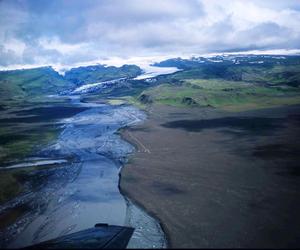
{"type": "Point", "coordinates": [152, 71]}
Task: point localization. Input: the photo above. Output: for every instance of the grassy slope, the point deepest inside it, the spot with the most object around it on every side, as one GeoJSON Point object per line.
{"type": "Point", "coordinates": [228, 95]}
{"type": "Point", "coordinates": [23, 140]}
{"type": "Point", "coordinates": [23, 85]}
{"type": "Point", "coordinates": [92, 74]}
{"type": "Point", "coordinates": [274, 69]}
{"type": "Point", "coordinates": [229, 87]}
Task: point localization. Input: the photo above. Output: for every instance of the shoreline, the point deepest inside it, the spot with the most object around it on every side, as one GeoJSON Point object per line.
{"type": "Point", "coordinates": [139, 205]}
{"type": "Point", "coordinates": [124, 136]}
{"type": "Point", "coordinates": [134, 201]}
{"type": "Point", "coordinates": [121, 132]}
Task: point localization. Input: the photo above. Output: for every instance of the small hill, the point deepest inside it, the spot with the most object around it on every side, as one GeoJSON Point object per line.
{"type": "Point", "coordinates": [99, 73]}
{"type": "Point", "coordinates": [31, 83]}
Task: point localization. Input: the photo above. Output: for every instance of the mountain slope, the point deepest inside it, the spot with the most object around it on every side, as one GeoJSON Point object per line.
{"type": "Point", "coordinates": [274, 70]}
{"type": "Point", "coordinates": [99, 73]}
{"type": "Point", "coordinates": [31, 83]}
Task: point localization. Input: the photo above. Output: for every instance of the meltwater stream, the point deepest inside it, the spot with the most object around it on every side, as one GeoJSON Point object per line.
{"type": "Point", "coordinates": [85, 192]}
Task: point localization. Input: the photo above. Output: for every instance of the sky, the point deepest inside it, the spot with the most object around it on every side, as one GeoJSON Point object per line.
{"type": "Point", "coordinates": [74, 32]}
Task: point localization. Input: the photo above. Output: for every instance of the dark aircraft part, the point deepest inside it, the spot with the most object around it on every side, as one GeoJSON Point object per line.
{"type": "Point", "coordinates": [102, 236]}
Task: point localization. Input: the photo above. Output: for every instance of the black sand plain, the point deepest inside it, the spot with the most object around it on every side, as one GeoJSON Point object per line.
{"type": "Point", "coordinates": [216, 179]}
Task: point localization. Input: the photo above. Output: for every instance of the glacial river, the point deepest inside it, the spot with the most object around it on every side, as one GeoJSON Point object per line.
{"type": "Point", "coordinates": [83, 192]}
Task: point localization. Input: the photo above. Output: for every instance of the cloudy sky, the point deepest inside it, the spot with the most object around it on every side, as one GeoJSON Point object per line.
{"type": "Point", "coordinates": [76, 31]}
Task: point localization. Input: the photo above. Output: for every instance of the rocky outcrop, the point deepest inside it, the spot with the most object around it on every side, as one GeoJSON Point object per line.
{"type": "Point", "coordinates": [189, 101]}
{"type": "Point", "coordinates": [145, 99]}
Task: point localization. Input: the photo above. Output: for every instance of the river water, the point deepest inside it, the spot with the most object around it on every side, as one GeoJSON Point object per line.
{"type": "Point", "coordinates": [83, 192]}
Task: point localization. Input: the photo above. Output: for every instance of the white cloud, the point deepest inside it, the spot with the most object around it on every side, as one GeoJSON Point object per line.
{"type": "Point", "coordinates": [54, 43]}
{"type": "Point", "coordinates": [14, 45]}
{"type": "Point", "coordinates": [70, 32]}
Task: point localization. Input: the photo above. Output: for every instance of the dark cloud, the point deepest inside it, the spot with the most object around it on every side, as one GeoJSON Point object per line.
{"type": "Point", "coordinates": [73, 31]}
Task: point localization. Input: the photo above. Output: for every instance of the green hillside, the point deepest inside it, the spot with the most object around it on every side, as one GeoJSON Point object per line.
{"type": "Point", "coordinates": [31, 84]}
{"type": "Point", "coordinates": [92, 74]}
{"type": "Point", "coordinates": [227, 95]}
{"type": "Point", "coordinates": [255, 69]}
{"type": "Point", "coordinates": [227, 85]}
